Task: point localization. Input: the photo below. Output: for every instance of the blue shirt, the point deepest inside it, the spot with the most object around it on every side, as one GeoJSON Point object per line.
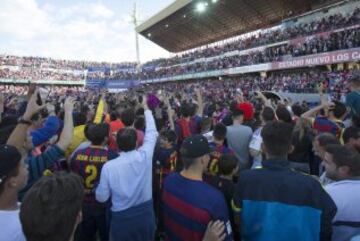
{"type": "Point", "coordinates": [189, 205]}
{"type": "Point", "coordinates": [128, 178]}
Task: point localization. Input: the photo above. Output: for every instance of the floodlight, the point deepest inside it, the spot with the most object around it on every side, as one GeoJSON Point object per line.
{"type": "Point", "coordinates": [214, 1]}
{"type": "Point", "coordinates": [201, 7]}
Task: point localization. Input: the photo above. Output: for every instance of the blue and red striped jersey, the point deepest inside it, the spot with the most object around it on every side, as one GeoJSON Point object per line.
{"type": "Point", "coordinates": [189, 205]}
{"type": "Point", "coordinates": [88, 163]}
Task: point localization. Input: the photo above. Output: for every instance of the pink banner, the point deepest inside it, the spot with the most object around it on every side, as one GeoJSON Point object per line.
{"type": "Point", "coordinates": [319, 59]}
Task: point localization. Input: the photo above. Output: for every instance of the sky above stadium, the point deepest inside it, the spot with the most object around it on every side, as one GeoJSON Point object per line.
{"type": "Point", "coordinates": [100, 30]}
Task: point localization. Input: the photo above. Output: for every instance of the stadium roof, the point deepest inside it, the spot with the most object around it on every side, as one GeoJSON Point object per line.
{"type": "Point", "coordinates": [187, 24]}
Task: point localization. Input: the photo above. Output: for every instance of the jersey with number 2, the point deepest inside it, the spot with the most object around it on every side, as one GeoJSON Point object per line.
{"type": "Point", "coordinates": [88, 163]}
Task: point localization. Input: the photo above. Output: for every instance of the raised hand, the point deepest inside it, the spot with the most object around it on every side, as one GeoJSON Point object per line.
{"type": "Point", "coordinates": [69, 104]}
{"type": "Point", "coordinates": [32, 107]}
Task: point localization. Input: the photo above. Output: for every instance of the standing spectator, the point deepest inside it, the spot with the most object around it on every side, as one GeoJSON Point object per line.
{"type": "Point", "coordinates": [88, 163]}
{"type": "Point", "coordinates": [267, 114]}
{"type": "Point", "coordinates": [128, 181]}
{"type": "Point", "coordinates": [319, 146]}
{"type": "Point", "coordinates": [13, 177]}
{"type": "Point", "coordinates": [189, 203]}
{"type": "Point", "coordinates": [351, 137]}
{"type": "Point", "coordinates": [218, 148]}
{"type": "Point", "coordinates": [51, 210]}
{"type": "Point", "coordinates": [239, 137]}
{"type": "Point", "coordinates": [20, 139]}
{"type": "Point", "coordinates": [342, 165]}
{"type": "Point", "coordinates": [271, 199]}
{"type": "Point", "coordinates": [228, 168]}
{"type": "Point", "coordinates": [353, 98]}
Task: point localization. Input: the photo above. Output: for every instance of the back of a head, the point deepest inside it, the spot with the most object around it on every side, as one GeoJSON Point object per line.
{"type": "Point", "coordinates": [126, 139]}
{"type": "Point", "coordinates": [227, 164]}
{"type": "Point", "coordinates": [50, 209]}
{"type": "Point", "coordinates": [267, 114]}
{"type": "Point", "coordinates": [185, 110]}
{"type": "Point", "coordinates": [79, 119]}
{"type": "Point", "coordinates": [237, 114]}
{"type": "Point", "coordinates": [96, 133]}
{"type": "Point", "coordinates": [283, 114]}
{"type": "Point", "coordinates": [277, 138]}
{"type": "Point", "coordinates": [351, 132]}
{"type": "Point", "coordinates": [128, 117]}
{"type": "Point", "coordinates": [10, 159]}
{"type": "Point", "coordinates": [297, 109]}
{"type": "Point", "coordinates": [325, 139]}
{"type": "Point", "coordinates": [339, 109]}
{"type": "Point", "coordinates": [219, 132]}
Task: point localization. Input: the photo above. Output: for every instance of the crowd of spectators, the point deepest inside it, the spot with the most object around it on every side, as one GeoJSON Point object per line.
{"type": "Point", "coordinates": [36, 68]}
{"type": "Point", "coordinates": [335, 41]}
{"type": "Point", "coordinates": [200, 161]}
{"type": "Point", "coordinates": [325, 24]}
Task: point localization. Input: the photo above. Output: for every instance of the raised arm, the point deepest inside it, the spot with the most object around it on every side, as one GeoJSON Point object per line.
{"type": "Point", "coordinates": [18, 136]}
{"type": "Point", "coordinates": [67, 132]}
{"type": "Point", "coordinates": [312, 112]}
{"type": "Point", "coordinates": [170, 113]}
{"type": "Point", "coordinates": [151, 133]}
{"type": "Point", "coordinates": [200, 102]}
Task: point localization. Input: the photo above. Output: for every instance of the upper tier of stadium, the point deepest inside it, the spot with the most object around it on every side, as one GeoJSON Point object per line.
{"type": "Point", "coordinates": [330, 36]}
{"type": "Point", "coordinates": [187, 24]}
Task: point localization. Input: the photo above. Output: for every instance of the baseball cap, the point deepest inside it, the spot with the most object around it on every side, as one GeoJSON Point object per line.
{"type": "Point", "coordinates": [195, 146]}
{"type": "Point", "coordinates": [9, 160]}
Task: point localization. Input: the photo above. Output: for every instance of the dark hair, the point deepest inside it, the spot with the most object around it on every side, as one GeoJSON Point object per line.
{"type": "Point", "coordinates": [277, 137]}
{"type": "Point", "coordinates": [128, 117]}
{"type": "Point", "coordinates": [169, 135]}
{"type": "Point", "coordinates": [10, 166]}
{"type": "Point", "coordinates": [96, 133]}
{"type": "Point", "coordinates": [206, 124]}
{"type": "Point", "coordinates": [79, 119]}
{"type": "Point", "coordinates": [227, 164]}
{"type": "Point", "coordinates": [113, 116]}
{"type": "Point", "coordinates": [268, 114]}
{"type": "Point", "coordinates": [297, 109]}
{"type": "Point", "coordinates": [5, 133]}
{"type": "Point", "coordinates": [185, 110]}
{"type": "Point", "coordinates": [50, 208]}
{"type": "Point", "coordinates": [237, 113]}
{"type": "Point", "coordinates": [325, 139]}
{"type": "Point", "coordinates": [351, 132]}
{"type": "Point", "coordinates": [126, 139]}
{"type": "Point", "coordinates": [139, 123]}
{"type": "Point", "coordinates": [345, 156]}
{"type": "Point", "coordinates": [283, 114]}
{"type": "Point", "coordinates": [220, 131]}
{"type": "Point", "coordinates": [339, 110]}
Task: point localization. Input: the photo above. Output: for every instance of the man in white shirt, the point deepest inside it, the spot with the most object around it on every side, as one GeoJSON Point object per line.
{"type": "Point", "coordinates": [13, 178]}
{"type": "Point", "coordinates": [342, 164]}
{"type": "Point", "coordinates": [127, 180]}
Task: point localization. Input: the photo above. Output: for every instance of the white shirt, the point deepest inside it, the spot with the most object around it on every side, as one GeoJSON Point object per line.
{"type": "Point", "coordinates": [346, 195]}
{"type": "Point", "coordinates": [128, 178]}
{"type": "Point", "coordinates": [10, 226]}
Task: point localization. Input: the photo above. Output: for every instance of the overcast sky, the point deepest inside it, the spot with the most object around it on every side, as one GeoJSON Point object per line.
{"type": "Point", "coordinates": [98, 30]}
